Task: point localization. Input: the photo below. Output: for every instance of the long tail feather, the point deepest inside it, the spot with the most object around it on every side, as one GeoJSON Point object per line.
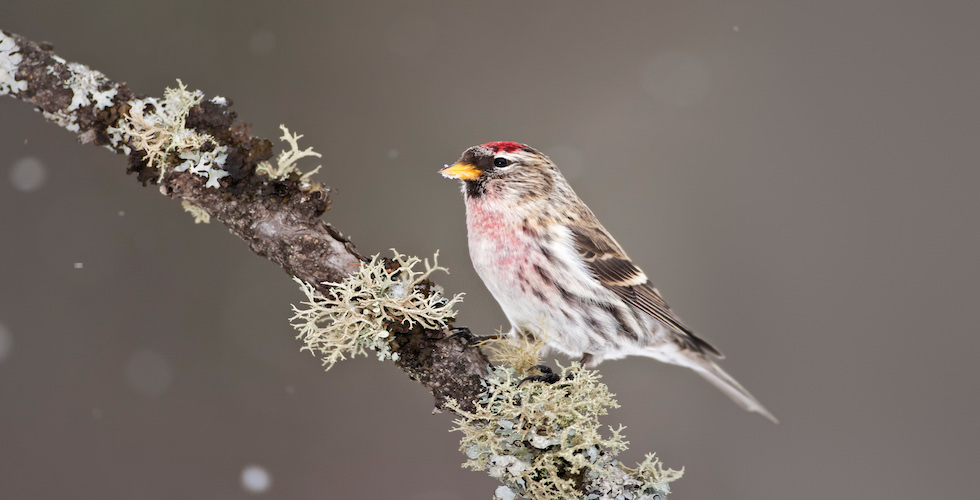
{"type": "Point", "coordinates": [718, 378]}
{"type": "Point", "coordinates": [724, 382]}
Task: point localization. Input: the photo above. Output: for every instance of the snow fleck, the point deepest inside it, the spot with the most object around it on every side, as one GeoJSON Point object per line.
{"type": "Point", "coordinates": [148, 373]}
{"type": "Point", "coordinates": [220, 101]}
{"type": "Point", "coordinates": [79, 265]}
{"type": "Point", "coordinates": [28, 174]}
{"type": "Point", "coordinates": [10, 58]}
{"type": "Point", "coordinates": [255, 479]}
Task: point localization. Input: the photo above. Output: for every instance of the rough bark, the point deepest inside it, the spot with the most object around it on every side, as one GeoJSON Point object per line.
{"type": "Point", "coordinates": [279, 219]}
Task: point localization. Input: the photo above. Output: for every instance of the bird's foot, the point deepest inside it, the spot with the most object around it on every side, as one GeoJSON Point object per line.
{"type": "Point", "coordinates": [469, 338]}
{"type": "Point", "coordinates": [547, 376]}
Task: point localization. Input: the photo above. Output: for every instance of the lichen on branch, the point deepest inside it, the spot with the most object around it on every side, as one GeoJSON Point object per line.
{"type": "Point", "coordinates": [543, 440]}
{"type": "Point", "coordinates": [286, 161]}
{"type": "Point", "coordinates": [158, 128]}
{"type": "Point", "coordinates": [176, 140]}
{"type": "Point", "coordinates": [10, 58]}
{"type": "Point", "coordinates": [199, 214]}
{"type": "Point", "coordinates": [355, 315]}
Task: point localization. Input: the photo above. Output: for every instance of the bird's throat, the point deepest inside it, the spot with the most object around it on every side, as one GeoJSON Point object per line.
{"type": "Point", "coordinates": [475, 189]}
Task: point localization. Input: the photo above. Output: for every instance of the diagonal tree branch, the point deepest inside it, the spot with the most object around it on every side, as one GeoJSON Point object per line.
{"type": "Point", "coordinates": [278, 218]}
{"type": "Point", "coordinates": [193, 151]}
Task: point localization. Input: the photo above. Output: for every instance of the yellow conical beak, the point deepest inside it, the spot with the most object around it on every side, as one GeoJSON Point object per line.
{"type": "Point", "coordinates": [463, 171]}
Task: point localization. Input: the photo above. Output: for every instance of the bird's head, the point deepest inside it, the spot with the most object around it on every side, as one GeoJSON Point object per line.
{"type": "Point", "coordinates": [504, 169]}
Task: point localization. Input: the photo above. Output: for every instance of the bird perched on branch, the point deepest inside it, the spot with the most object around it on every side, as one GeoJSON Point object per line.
{"type": "Point", "coordinates": [554, 269]}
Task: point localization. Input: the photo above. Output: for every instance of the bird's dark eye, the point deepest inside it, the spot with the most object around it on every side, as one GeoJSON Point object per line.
{"type": "Point", "coordinates": [500, 162]}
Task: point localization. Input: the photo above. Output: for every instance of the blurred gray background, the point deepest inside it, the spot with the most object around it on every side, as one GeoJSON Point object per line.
{"type": "Point", "coordinates": [799, 178]}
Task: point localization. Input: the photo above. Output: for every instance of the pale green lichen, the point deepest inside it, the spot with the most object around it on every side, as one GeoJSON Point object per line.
{"type": "Point", "coordinates": [542, 439]}
{"type": "Point", "coordinates": [355, 314]}
{"type": "Point", "coordinates": [200, 215]}
{"type": "Point", "coordinates": [162, 134]}
{"type": "Point", "coordinates": [84, 84]}
{"type": "Point", "coordinates": [205, 163]}
{"type": "Point", "coordinates": [10, 59]}
{"type": "Point", "coordinates": [286, 161]}
{"type": "Point", "coordinates": [504, 493]}
{"type": "Point", "coordinates": [520, 354]}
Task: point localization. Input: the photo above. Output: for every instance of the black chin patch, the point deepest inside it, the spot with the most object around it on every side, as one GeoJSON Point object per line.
{"type": "Point", "coordinates": [475, 189]}
{"type": "Point", "coordinates": [478, 157]}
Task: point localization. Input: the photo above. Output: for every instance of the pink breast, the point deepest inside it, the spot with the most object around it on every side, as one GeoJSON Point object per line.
{"type": "Point", "coordinates": [495, 237]}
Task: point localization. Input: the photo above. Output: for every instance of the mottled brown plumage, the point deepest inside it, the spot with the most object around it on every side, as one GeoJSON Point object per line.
{"type": "Point", "coordinates": [556, 271]}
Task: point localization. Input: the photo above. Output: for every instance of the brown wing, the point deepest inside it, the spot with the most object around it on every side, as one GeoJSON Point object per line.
{"type": "Point", "coordinates": [613, 268]}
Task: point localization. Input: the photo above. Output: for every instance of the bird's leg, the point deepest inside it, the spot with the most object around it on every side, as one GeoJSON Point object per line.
{"type": "Point", "coordinates": [547, 375]}
{"type": "Point", "coordinates": [469, 338]}
{"type": "Point", "coordinates": [461, 331]}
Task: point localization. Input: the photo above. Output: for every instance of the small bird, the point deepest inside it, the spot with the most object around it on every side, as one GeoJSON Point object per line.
{"type": "Point", "coordinates": [553, 268]}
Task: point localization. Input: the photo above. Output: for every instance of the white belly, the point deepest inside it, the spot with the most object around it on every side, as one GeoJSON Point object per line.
{"type": "Point", "coordinates": [525, 283]}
